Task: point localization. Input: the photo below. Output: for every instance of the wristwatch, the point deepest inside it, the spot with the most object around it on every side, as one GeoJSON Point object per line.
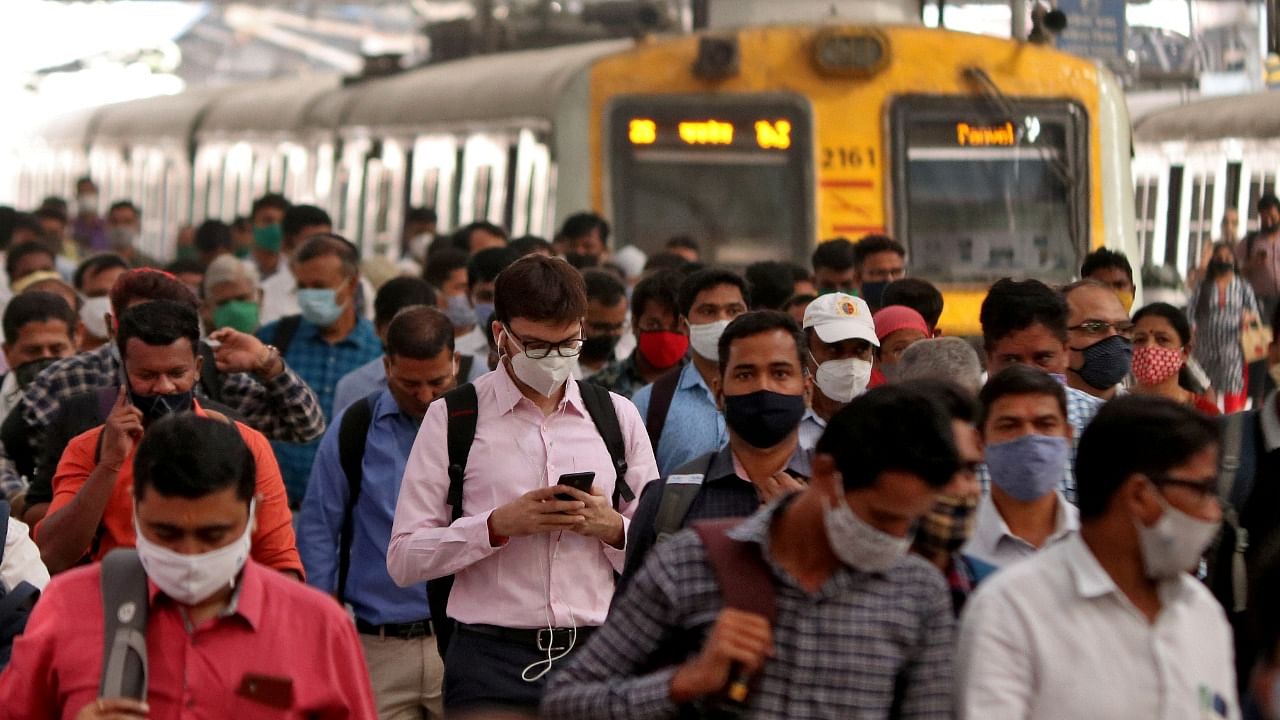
{"type": "Point", "coordinates": [267, 363]}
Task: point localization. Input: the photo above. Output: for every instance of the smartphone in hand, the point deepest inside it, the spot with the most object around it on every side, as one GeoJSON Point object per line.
{"type": "Point", "coordinates": [578, 481]}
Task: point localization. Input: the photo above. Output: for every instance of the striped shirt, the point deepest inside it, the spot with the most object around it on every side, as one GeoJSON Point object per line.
{"type": "Point", "coordinates": [839, 651]}
{"type": "Point", "coordinates": [1217, 332]}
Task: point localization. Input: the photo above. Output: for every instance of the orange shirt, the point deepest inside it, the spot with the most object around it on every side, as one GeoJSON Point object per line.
{"type": "Point", "coordinates": [273, 541]}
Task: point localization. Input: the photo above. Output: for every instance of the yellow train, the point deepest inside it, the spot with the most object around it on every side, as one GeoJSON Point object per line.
{"type": "Point", "coordinates": [985, 157]}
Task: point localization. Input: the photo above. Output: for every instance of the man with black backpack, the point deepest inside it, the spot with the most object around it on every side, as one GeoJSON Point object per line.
{"type": "Point", "coordinates": [521, 484]}
{"type": "Point", "coordinates": [345, 524]}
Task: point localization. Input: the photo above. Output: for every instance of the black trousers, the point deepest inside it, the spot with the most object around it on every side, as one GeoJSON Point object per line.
{"type": "Point", "coordinates": [483, 672]}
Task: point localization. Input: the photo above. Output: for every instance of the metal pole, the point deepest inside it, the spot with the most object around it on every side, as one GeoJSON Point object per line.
{"type": "Point", "coordinates": [1018, 27]}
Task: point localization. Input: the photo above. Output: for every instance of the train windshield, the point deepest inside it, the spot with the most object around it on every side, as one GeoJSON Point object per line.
{"type": "Point", "coordinates": [984, 193]}
{"type": "Point", "coordinates": [732, 173]}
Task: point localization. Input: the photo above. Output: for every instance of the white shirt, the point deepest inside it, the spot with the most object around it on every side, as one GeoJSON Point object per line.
{"type": "Point", "coordinates": [1053, 638]}
{"type": "Point", "coordinates": [993, 543]}
{"type": "Point", "coordinates": [280, 296]}
{"type": "Point", "coordinates": [21, 558]}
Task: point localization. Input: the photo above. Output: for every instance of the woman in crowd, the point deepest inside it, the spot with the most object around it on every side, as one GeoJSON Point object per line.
{"type": "Point", "coordinates": [1161, 346]}
{"type": "Point", "coordinates": [1219, 309]}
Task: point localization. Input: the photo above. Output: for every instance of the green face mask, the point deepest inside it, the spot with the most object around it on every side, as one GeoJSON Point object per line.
{"type": "Point", "coordinates": [240, 315]}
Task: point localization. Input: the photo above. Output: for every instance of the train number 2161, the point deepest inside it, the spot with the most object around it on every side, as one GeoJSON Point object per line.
{"type": "Point", "coordinates": [834, 158]}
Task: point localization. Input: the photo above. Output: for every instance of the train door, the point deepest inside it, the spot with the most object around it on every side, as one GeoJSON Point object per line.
{"type": "Point", "coordinates": [297, 182]}
{"type": "Point", "coordinates": [348, 188]}
{"type": "Point", "coordinates": [1150, 177]}
{"type": "Point", "coordinates": [530, 211]}
{"type": "Point", "coordinates": [1203, 191]}
{"type": "Point", "coordinates": [433, 180]}
{"type": "Point", "coordinates": [237, 181]}
{"type": "Point", "coordinates": [207, 186]}
{"type": "Point", "coordinates": [384, 173]}
{"type": "Point", "coordinates": [483, 193]}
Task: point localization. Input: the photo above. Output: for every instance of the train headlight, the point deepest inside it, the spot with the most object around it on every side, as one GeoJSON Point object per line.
{"type": "Point", "coordinates": [851, 53]}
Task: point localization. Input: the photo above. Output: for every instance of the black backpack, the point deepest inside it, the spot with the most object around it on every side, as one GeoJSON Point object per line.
{"type": "Point", "coordinates": [16, 604]}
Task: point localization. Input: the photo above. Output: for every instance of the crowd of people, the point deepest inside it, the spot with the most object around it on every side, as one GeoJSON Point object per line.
{"type": "Point", "coordinates": [565, 479]}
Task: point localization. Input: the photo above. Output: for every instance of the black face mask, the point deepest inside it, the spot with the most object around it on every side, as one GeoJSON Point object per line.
{"type": "Point", "coordinates": [763, 418]}
{"type": "Point", "coordinates": [154, 407]}
{"type": "Point", "coordinates": [599, 348]}
{"type": "Point", "coordinates": [1220, 267]}
{"type": "Point", "coordinates": [27, 372]}
{"type": "Point", "coordinates": [873, 292]}
{"type": "Point", "coordinates": [1106, 362]}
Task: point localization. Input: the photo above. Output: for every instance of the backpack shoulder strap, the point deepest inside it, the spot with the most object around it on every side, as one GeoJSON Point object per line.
{"type": "Point", "coordinates": [599, 404]}
{"type": "Point", "coordinates": [210, 378]}
{"type": "Point", "coordinates": [353, 433]}
{"type": "Point", "coordinates": [744, 579]}
{"type": "Point", "coordinates": [464, 367]}
{"type": "Point", "coordinates": [463, 407]}
{"type": "Point", "coordinates": [678, 493]}
{"type": "Point", "coordinates": [664, 391]}
{"type": "Point", "coordinates": [286, 328]}
{"type": "Point", "coordinates": [124, 610]}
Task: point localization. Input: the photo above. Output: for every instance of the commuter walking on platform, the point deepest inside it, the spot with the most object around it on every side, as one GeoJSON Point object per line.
{"type": "Point", "coordinates": [521, 486]}
{"type": "Point", "coordinates": [1220, 308]}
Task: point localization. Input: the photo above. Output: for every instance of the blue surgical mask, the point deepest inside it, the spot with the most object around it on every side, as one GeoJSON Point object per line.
{"type": "Point", "coordinates": [460, 312]}
{"type": "Point", "coordinates": [320, 306]}
{"type": "Point", "coordinates": [1029, 467]}
{"type": "Point", "coordinates": [483, 312]}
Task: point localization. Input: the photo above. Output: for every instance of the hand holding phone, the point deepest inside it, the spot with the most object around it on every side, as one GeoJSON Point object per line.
{"type": "Point", "coordinates": [578, 481]}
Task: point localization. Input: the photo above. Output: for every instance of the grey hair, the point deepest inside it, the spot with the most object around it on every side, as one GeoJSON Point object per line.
{"type": "Point", "coordinates": [948, 358]}
{"type": "Point", "coordinates": [229, 268]}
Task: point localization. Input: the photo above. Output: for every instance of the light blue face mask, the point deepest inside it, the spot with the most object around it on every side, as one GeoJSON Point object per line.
{"type": "Point", "coordinates": [320, 305]}
{"type": "Point", "coordinates": [483, 312]}
{"type": "Point", "coordinates": [460, 312]}
{"type": "Point", "coordinates": [1028, 467]}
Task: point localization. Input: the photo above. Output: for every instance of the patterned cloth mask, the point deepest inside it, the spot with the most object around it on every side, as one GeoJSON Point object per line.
{"type": "Point", "coordinates": [1153, 364]}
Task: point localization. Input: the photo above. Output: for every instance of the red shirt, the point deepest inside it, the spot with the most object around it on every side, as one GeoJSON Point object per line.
{"type": "Point", "coordinates": [273, 540]}
{"type": "Point", "coordinates": [276, 626]}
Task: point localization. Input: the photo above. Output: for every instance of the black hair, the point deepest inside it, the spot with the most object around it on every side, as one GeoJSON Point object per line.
{"type": "Point", "coordinates": [399, 293]}
{"type": "Point", "coordinates": [662, 287]}
{"type": "Point", "coordinates": [95, 265]}
{"type": "Point", "coordinates": [124, 205]}
{"type": "Point", "coordinates": [213, 237]}
{"type": "Point", "coordinates": [1105, 259]}
{"type": "Point", "coordinates": [581, 224]}
{"type": "Point", "coordinates": [771, 282]}
{"type": "Point", "coordinates": [1268, 201]}
{"type": "Point", "coordinates": [539, 289]}
{"type": "Point", "coordinates": [706, 279]}
{"type": "Point", "coordinates": [959, 404]}
{"type": "Point", "coordinates": [871, 244]}
{"type": "Point", "coordinates": [442, 264]}
{"type": "Point", "coordinates": [1136, 434]}
{"type": "Point", "coordinates": [420, 215]}
{"type": "Point", "coordinates": [275, 201]}
{"type": "Point", "coordinates": [51, 213]}
{"type": "Point", "coordinates": [604, 287]}
{"type": "Point", "coordinates": [36, 306]}
{"type": "Point", "coordinates": [461, 238]}
{"type": "Point", "coordinates": [188, 456]}
{"type": "Point", "coordinates": [893, 427]}
{"type": "Point", "coordinates": [682, 241]}
{"type": "Point", "coordinates": [1176, 318]}
{"type": "Point", "coordinates": [1013, 305]}
{"type": "Point", "coordinates": [1020, 380]}
{"type": "Point", "coordinates": [918, 294]}
{"type": "Point", "coordinates": [488, 264]}
{"type": "Point", "coordinates": [159, 323]}
{"type": "Point", "coordinates": [148, 284]}
{"type": "Point", "coordinates": [582, 261]}
{"type": "Point", "coordinates": [327, 244]}
{"type": "Point", "coordinates": [56, 203]}
{"type": "Point", "coordinates": [794, 300]}
{"type": "Point", "coordinates": [668, 261]}
{"type": "Point", "coordinates": [22, 250]}
{"type": "Point", "coordinates": [759, 322]}
{"type": "Point", "coordinates": [185, 265]}
{"type": "Point", "coordinates": [529, 244]}
{"type": "Point", "coordinates": [299, 217]}
{"type": "Point", "coordinates": [834, 254]}
{"type": "Point", "coordinates": [418, 332]}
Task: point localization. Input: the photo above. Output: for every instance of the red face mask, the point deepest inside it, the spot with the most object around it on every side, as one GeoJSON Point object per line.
{"type": "Point", "coordinates": [1153, 364]}
{"type": "Point", "coordinates": [663, 348]}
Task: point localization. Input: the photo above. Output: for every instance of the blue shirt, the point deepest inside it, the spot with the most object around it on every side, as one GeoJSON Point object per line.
{"type": "Point", "coordinates": [370, 591]}
{"type": "Point", "coordinates": [320, 364]}
{"type": "Point", "coordinates": [694, 425]}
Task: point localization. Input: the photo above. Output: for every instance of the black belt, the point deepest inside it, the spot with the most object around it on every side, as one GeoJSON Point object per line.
{"type": "Point", "coordinates": [553, 639]}
{"type": "Point", "coordinates": [403, 631]}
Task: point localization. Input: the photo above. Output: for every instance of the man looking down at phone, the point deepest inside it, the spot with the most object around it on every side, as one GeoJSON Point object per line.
{"type": "Point", "coordinates": [762, 389]}
{"type": "Point", "coordinates": [533, 574]}
{"type": "Point", "coordinates": [92, 511]}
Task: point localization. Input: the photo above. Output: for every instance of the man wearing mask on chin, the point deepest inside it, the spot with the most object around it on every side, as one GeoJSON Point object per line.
{"type": "Point", "coordinates": [329, 340]}
{"type": "Point", "coordinates": [680, 409]}
{"type": "Point", "coordinates": [1109, 623]}
{"type": "Point", "coordinates": [762, 390]}
{"type": "Point", "coordinates": [1099, 337]}
{"type": "Point", "coordinates": [1027, 438]}
{"type": "Point", "coordinates": [223, 632]}
{"type": "Point", "coordinates": [91, 487]}
{"type": "Point", "coordinates": [863, 626]}
{"type": "Point", "coordinates": [840, 339]}
{"type": "Point", "coordinates": [533, 559]}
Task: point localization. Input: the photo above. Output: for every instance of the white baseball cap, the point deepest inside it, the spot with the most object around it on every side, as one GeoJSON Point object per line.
{"type": "Point", "coordinates": [839, 316]}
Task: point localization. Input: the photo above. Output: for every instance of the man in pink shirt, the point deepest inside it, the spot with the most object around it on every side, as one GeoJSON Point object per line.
{"type": "Point", "coordinates": [533, 574]}
{"type": "Point", "coordinates": [226, 637]}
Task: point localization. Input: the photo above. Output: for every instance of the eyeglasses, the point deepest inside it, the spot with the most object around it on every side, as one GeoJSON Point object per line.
{"type": "Point", "coordinates": [539, 349]}
{"type": "Point", "coordinates": [1101, 327]}
{"type": "Point", "coordinates": [1203, 488]}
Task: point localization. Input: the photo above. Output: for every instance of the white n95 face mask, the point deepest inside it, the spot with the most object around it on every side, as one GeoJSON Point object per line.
{"type": "Point", "coordinates": [843, 380]}
{"type": "Point", "coordinates": [93, 313]}
{"type": "Point", "coordinates": [190, 579]}
{"type": "Point", "coordinates": [544, 375]}
{"type": "Point", "coordinates": [705, 338]}
{"type": "Point", "coordinates": [1175, 543]}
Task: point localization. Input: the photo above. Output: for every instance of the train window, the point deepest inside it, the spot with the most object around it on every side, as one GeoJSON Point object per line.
{"type": "Point", "coordinates": [480, 198]}
{"type": "Point", "coordinates": [1233, 185]}
{"type": "Point", "coordinates": [734, 172]}
{"type": "Point", "coordinates": [1016, 187]}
